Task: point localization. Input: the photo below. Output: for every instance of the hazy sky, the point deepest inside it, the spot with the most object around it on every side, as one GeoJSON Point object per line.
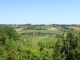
{"type": "Point", "coordinates": [39, 11]}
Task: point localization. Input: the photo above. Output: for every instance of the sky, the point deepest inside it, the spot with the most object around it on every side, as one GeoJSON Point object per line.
{"type": "Point", "coordinates": [40, 11]}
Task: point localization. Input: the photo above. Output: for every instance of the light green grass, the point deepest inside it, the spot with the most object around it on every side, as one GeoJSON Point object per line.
{"type": "Point", "coordinates": [35, 39]}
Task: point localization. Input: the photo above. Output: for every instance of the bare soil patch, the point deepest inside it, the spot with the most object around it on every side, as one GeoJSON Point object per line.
{"type": "Point", "coordinates": [19, 29]}
{"type": "Point", "coordinates": [54, 29]}
{"type": "Point", "coordinates": [75, 28]}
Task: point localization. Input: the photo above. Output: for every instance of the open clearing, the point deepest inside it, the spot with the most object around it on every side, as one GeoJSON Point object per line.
{"type": "Point", "coordinates": [75, 28]}
{"type": "Point", "coordinates": [54, 29]}
{"type": "Point", "coordinates": [19, 29]}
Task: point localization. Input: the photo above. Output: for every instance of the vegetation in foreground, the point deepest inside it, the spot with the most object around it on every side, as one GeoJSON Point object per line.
{"type": "Point", "coordinates": [13, 47]}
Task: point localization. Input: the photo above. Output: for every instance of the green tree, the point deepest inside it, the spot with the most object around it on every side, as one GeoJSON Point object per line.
{"type": "Point", "coordinates": [57, 49]}
{"type": "Point", "coordinates": [3, 53]}
{"type": "Point", "coordinates": [70, 44]}
{"type": "Point", "coordinates": [11, 32]}
{"type": "Point", "coordinates": [8, 46]}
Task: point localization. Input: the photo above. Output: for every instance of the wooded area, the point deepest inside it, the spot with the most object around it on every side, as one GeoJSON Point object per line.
{"type": "Point", "coordinates": [13, 47]}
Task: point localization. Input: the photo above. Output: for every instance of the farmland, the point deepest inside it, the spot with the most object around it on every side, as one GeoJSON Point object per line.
{"type": "Point", "coordinates": [43, 33]}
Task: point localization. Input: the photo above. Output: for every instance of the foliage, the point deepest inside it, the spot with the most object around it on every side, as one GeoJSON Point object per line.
{"type": "Point", "coordinates": [12, 47]}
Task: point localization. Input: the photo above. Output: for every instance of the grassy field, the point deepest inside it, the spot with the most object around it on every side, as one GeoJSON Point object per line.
{"type": "Point", "coordinates": [35, 39]}
{"type": "Point", "coordinates": [40, 38]}
{"type": "Point", "coordinates": [42, 31]}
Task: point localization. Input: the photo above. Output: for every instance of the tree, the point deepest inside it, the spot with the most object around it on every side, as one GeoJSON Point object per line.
{"type": "Point", "coordinates": [57, 49]}
{"type": "Point", "coordinates": [3, 53]}
{"type": "Point", "coordinates": [3, 37]}
{"type": "Point", "coordinates": [11, 32]}
{"type": "Point", "coordinates": [8, 38]}
{"type": "Point", "coordinates": [8, 33]}
{"type": "Point", "coordinates": [70, 44]}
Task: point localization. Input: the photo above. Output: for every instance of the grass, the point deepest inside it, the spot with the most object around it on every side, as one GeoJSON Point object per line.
{"type": "Point", "coordinates": [42, 31]}
{"type": "Point", "coordinates": [35, 39]}
{"type": "Point", "coordinates": [38, 38]}
{"type": "Point", "coordinates": [24, 31]}
{"type": "Point", "coordinates": [30, 36]}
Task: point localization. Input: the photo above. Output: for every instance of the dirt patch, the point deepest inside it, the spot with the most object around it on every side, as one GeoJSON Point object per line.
{"type": "Point", "coordinates": [54, 29]}
{"type": "Point", "coordinates": [25, 40]}
{"type": "Point", "coordinates": [19, 29]}
{"type": "Point", "coordinates": [75, 28]}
